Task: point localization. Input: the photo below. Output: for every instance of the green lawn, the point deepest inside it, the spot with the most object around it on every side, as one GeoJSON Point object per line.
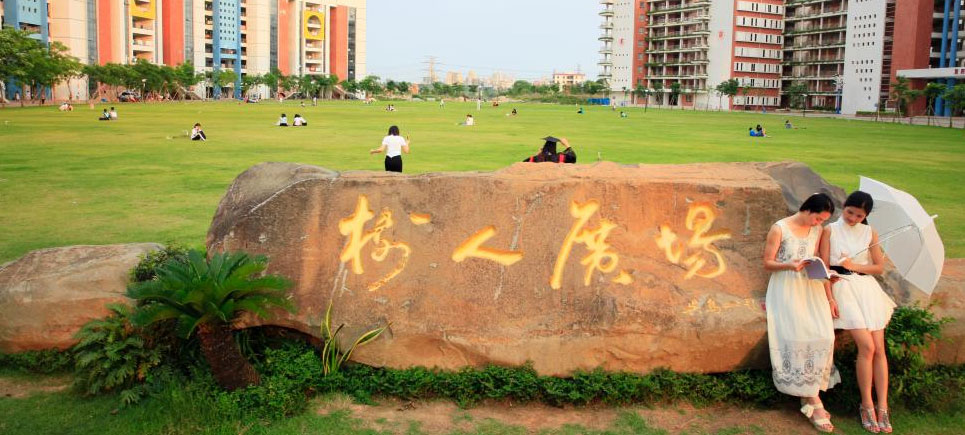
{"type": "Point", "coordinates": [67, 179]}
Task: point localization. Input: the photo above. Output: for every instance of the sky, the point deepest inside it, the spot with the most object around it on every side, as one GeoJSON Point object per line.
{"type": "Point", "coordinates": [527, 39]}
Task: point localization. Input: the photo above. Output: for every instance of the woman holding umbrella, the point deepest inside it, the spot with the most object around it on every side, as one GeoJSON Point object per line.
{"type": "Point", "coordinates": [800, 332]}
{"type": "Point", "coordinates": [864, 309]}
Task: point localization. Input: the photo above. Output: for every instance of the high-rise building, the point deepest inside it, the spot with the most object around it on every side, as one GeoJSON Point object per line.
{"type": "Point", "coordinates": [845, 53]}
{"type": "Point", "coordinates": [244, 36]}
{"type": "Point", "coordinates": [454, 78]}
{"type": "Point", "coordinates": [814, 50]}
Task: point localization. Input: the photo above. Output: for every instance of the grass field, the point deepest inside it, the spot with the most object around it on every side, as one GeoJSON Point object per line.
{"type": "Point", "coordinates": [67, 179]}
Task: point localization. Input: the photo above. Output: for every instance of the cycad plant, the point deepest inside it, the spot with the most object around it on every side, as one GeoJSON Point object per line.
{"type": "Point", "coordinates": [332, 356]}
{"type": "Point", "coordinates": [206, 296]}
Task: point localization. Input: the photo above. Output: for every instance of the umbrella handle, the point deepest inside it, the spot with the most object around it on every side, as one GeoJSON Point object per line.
{"type": "Point", "coordinates": [891, 234]}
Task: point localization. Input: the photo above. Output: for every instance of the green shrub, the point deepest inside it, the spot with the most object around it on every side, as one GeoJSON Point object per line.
{"type": "Point", "coordinates": [146, 269]}
{"type": "Point", "coordinates": [47, 361]}
{"type": "Point", "coordinates": [113, 355]}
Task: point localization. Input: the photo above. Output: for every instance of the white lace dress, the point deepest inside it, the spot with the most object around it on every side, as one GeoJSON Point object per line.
{"type": "Point", "coordinates": [800, 333]}
{"type": "Point", "coordinates": [862, 304]}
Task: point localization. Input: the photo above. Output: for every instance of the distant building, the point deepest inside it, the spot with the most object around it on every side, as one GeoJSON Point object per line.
{"type": "Point", "coordinates": [454, 78]}
{"type": "Point", "coordinates": [567, 79]}
{"type": "Point", "coordinates": [501, 80]}
{"type": "Point", "coordinates": [246, 36]}
{"type": "Point", "coordinates": [846, 52]}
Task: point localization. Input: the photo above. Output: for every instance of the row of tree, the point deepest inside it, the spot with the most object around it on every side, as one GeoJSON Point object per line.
{"type": "Point", "coordinates": [25, 61]}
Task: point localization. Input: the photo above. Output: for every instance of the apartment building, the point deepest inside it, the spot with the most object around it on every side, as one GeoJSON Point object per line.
{"type": "Point", "coordinates": [846, 53]}
{"type": "Point", "coordinates": [814, 49]}
{"type": "Point", "coordinates": [245, 36]}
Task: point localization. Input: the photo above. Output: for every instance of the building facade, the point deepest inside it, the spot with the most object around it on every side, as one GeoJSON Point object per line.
{"type": "Point", "coordinates": [845, 53]}
{"type": "Point", "coordinates": [296, 37]}
{"type": "Point", "coordinates": [568, 79]}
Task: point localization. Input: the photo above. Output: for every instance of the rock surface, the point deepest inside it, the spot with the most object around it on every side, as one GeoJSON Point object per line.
{"type": "Point", "coordinates": [48, 294]}
{"type": "Point", "coordinates": [470, 268]}
{"type": "Point", "coordinates": [949, 302]}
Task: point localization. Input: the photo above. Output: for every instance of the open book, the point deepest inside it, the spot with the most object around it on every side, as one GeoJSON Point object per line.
{"type": "Point", "coordinates": [816, 269]}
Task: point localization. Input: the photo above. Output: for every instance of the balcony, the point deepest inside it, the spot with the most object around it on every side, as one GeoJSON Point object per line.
{"type": "Point", "coordinates": [692, 5]}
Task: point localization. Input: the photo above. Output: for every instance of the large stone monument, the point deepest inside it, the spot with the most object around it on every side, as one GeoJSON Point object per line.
{"type": "Point", "coordinates": [568, 266]}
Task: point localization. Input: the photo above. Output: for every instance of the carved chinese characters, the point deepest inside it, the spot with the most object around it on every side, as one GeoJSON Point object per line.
{"type": "Point", "coordinates": [699, 255]}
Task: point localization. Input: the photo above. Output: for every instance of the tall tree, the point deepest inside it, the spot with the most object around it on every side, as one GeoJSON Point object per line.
{"type": "Point", "coordinates": [932, 92]}
{"type": "Point", "coordinates": [745, 91]}
{"type": "Point", "coordinates": [658, 89]}
{"type": "Point", "coordinates": [728, 88]}
{"type": "Point", "coordinates": [899, 92]}
{"type": "Point", "coordinates": [675, 94]}
{"type": "Point", "coordinates": [795, 94]}
{"type": "Point", "coordinates": [955, 97]}
{"type": "Point", "coordinates": [641, 91]}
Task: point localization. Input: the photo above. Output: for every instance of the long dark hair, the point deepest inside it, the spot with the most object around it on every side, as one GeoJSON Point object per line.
{"type": "Point", "coordinates": [862, 200]}
{"type": "Point", "coordinates": [818, 203]}
{"type": "Point", "coordinates": [394, 130]}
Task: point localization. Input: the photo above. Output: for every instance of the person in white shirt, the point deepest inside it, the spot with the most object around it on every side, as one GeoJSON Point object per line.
{"type": "Point", "coordinates": [113, 114]}
{"type": "Point", "coordinates": [469, 121]}
{"type": "Point", "coordinates": [283, 120]}
{"type": "Point", "coordinates": [393, 145]}
{"type": "Point", "coordinates": [197, 133]}
{"type": "Point", "coordinates": [298, 121]}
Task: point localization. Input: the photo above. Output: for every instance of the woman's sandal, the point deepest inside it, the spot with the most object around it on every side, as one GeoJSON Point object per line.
{"type": "Point", "coordinates": [823, 423]}
{"type": "Point", "coordinates": [868, 419]}
{"type": "Point", "coordinates": [884, 420]}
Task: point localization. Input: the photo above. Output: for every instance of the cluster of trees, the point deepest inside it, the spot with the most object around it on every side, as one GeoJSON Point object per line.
{"type": "Point", "coordinates": [25, 61]}
{"type": "Point", "coordinates": [904, 95]}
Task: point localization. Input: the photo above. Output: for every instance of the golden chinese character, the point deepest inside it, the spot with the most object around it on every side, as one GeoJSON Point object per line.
{"type": "Point", "coordinates": [700, 219]}
{"type": "Point", "coordinates": [600, 257]}
{"type": "Point", "coordinates": [354, 227]}
{"type": "Point", "coordinates": [472, 247]}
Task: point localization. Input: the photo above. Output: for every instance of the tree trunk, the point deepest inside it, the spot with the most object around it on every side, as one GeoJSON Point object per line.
{"type": "Point", "coordinates": [230, 368]}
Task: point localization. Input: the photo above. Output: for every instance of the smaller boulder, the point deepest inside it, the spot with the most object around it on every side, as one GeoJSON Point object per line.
{"type": "Point", "coordinates": [48, 294]}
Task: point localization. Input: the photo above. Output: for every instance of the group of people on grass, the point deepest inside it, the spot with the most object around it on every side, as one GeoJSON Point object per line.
{"type": "Point", "coordinates": [802, 313]}
{"type": "Point", "coordinates": [760, 132]}
{"type": "Point", "coordinates": [297, 121]}
{"type": "Point", "coordinates": [108, 115]}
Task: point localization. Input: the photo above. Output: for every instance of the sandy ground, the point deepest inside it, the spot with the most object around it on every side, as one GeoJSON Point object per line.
{"type": "Point", "coordinates": [445, 417]}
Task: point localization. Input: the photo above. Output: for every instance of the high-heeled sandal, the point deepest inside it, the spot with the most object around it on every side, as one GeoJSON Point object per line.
{"type": "Point", "coordinates": [884, 420]}
{"type": "Point", "coordinates": [868, 421]}
{"type": "Point", "coordinates": [822, 424]}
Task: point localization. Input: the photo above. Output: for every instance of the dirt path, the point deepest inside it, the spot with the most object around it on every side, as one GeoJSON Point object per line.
{"type": "Point", "coordinates": [16, 387]}
{"type": "Point", "coordinates": [445, 417]}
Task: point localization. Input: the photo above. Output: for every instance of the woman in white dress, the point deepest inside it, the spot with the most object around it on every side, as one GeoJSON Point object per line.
{"type": "Point", "coordinates": [864, 308]}
{"type": "Point", "coordinates": [800, 332]}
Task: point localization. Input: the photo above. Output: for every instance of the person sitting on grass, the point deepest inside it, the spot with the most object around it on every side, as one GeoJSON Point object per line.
{"type": "Point", "coordinates": [760, 131]}
{"type": "Point", "coordinates": [787, 124]}
{"type": "Point", "coordinates": [548, 152]}
{"type": "Point", "coordinates": [66, 107]}
{"type": "Point", "coordinates": [106, 116]}
{"type": "Point", "coordinates": [113, 114]}
{"type": "Point", "coordinates": [469, 121]}
{"type": "Point", "coordinates": [623, 114]}
{"type": "Point", "coordinates": [298, 121]}
{"type": "Point", "coordinates": [197, 133]}
{"type": "Point", "coordinates": [283, 120]}
{"type": "Point", "coordinates": [580, 111]}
